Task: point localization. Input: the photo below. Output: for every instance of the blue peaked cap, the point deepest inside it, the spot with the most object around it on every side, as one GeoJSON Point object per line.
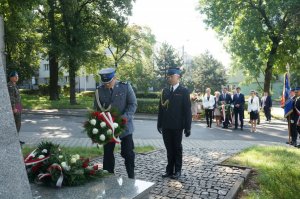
{"type": "Point", "coordinates": [297, 88]}
{"type": "Point", "coordinates": [13, 74]}
{"type": "Point", "coordinates": [173, 71]}
{"type": "Point", "coordinates": [107, 74]}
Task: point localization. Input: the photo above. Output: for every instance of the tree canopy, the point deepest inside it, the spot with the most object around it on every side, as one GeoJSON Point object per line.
{"type": "Point", "coordinates": [262, 35]}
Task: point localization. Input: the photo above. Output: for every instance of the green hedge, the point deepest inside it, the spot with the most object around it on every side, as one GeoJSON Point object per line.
{"type": "Point", "coordinates": [148, 95]}
{"type": "Point", "coordinates": [147, 106]}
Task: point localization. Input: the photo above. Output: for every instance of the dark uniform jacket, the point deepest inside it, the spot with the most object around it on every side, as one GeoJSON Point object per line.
{"type": "Point", "coordinates": [177, 113]}
{"type": "Point", "coordinates": [123, 99]}
{"type": "Point", "coordinates": [14, 94]}
{"type": "Point", "coordinates": [227, 98]}
{"type": "Point", "coordinates": [239, 100]}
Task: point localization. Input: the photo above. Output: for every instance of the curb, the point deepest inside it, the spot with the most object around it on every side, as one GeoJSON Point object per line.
{"type": "Point", "coordinates": [237, 186]}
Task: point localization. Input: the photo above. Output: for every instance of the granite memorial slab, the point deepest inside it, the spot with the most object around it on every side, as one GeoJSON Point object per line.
{"type": "Point", "coordinates": [110, 187]}
{"type": "Point", "coordinates": [13, 177]}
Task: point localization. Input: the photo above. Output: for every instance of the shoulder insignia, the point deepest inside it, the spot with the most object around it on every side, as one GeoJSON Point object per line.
{"type": "Point", "coordinates": [122, 82]}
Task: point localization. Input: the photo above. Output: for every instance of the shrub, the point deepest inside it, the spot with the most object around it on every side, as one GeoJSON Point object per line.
{"type": "Point", "coordinates": [29, 92]}
{"type": "Point", "coordinates": [147, 105]}
{"type": "Point", "coordinates": [88, 94]}
{"type": "Point", "coordinates": [148, 95]}
{"type": "Point", "coordinates": [66, 90]}
{"type": "Point", "coordinates": [44, 89]}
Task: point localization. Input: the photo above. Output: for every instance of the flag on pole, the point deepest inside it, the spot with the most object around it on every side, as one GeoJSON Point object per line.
{"type": "Point", "coordinates": [286, 101]}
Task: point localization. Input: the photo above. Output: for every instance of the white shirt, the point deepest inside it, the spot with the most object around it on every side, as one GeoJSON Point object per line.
{"type": "Point", "coordinates": [254, 106]}
{"type": "Point", "coordinates": [208, 104]}
{"type": "Point", "coordinates": [174, 87]}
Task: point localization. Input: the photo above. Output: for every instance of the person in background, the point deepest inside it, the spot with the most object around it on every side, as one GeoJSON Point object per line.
{"type": "Point", "coordinates": [238, 102]}
{"type": "Point", "coordinates": [194, 105]}
{"type": "Point", "coordinates": [226, 100]}
{"type": "Point", "coordinates": [174, 117]}
{"type": "Point", "coordinates": [266, 102]}
{"type": "Point", "coordinates": [208, 105]}
{"type": "Point", "coordinates": [253, 108]}
{"type": "Point", "coordinates": [293, 119]}
{"type": "Point", "coordinates": [217, 111]}
{"type": "Point", "coordinates": [258, 119]}
{"type": "Point", "coordinates": [15, 99]}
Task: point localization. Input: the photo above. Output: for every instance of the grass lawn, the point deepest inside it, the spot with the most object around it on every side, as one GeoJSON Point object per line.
{"type": "Point", "coordinates": [42, 102]}
{"type": "Point", "coordinates": [89, 152]}
{"type": "Point", "coordinates": [277, 168]}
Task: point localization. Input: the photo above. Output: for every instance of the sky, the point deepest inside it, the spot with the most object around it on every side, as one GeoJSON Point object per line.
{"type": "Point", "coordinates": [178, 23]}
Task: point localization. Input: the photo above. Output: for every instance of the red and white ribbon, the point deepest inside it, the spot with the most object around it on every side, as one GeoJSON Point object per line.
{"type": "Point", "coordinates": [28, 161]}
{"type": "Point", "coordinates": [61, 177]}
{"type": "Point", "coordinates": [109, 121]}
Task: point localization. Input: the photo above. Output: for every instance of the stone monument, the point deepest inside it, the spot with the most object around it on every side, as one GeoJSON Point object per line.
{"type": "Point", "coordinates": [13, 177]}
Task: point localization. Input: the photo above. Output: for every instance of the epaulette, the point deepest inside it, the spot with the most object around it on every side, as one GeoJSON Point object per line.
{"type": "Point", "coordinates": [121, 82]}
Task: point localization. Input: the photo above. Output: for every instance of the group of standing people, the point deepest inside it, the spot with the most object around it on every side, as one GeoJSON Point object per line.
{"type": "Point", "coordinates": [228, 109]}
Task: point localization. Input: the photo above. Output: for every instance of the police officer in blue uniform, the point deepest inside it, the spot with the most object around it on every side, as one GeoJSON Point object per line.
{"type": "Point", "coordinates": [174, 116]}
{"type": "Point", "coordinates": [118, 95]}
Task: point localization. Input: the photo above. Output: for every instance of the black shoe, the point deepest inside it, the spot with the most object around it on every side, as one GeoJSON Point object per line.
{"type": "Point", "coordinates": [166, 175]}
{"type": "Point", "coordinates": [176, 175]}
{"type": "Point", "coordinates": [242, 129]}
{"type": "Point", "coordinates": [21, 142]}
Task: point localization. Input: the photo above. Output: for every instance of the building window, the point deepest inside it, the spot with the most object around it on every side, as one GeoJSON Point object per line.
{"type": "Point", "coordinates": [46, 67]}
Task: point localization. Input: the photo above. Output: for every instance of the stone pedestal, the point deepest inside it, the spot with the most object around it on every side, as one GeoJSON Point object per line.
{"type": "Point", "coordinates": [13, 178]}
{"type": "Point", "coordinates": [107, 187]}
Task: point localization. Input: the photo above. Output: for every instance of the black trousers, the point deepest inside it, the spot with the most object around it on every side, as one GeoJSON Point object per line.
{"type": "Point", "coordinates": [294, 132]}
{"type": "Point", "coordinates": [267, 111]}
{"type": "Point", "coordinates": [237, 113]}
{"type": "Point", "coordinates": [208, 115]}
{"type": "Point", "coordinates": [172, 139]}
{"type": "Point", "coordinates": [127, 153]}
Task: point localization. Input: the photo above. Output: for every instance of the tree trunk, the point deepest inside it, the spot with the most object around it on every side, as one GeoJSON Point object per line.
{"type": "Point", "coordinates": [72, 76]}
{"type": "Point", "coordinates": [270, 64]}
{"type": "Point", "coordinates": [53, 87]}
{"type": "Point", "coordinates": [53, 62]}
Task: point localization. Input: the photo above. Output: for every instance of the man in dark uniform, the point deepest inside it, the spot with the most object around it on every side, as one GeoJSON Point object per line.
{"type": "Point", "coordinates": [296, 110]}
{"type": "Point", "coordinates": [118, 95]}
{"type": "Point", "coordinates": [293, 117]}
{"type": "Point", "coordinates": [15, 99]}
{"type": "Point", "coordinates": [238, 102]}
{"type": "Point", "coordinates": [174, 116]}
{"type": "Point", "coordinates": [226, 99]}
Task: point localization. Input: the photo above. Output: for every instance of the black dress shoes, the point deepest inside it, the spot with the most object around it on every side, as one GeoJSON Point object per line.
{"type": "Point", "coordinates": [166, 175]}
{"type": "Point", "coordinates": [176, 175]}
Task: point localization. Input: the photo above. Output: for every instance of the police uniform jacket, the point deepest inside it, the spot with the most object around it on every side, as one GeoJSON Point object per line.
{"type": "Point", "coordinates": [176, 114]}
{"type": "Point", "coordinates": [123, 99]}
{"type": "Point", "coordinates": [14, 94]}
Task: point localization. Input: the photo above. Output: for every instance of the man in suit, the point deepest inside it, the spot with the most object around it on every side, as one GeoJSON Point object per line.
{"type": "Point", "coordinates": [267, 105]}
{"type": "Point", "coordinates": [293, 119]}
{"type": "Point", "coordinates": [119, 95]}
{"type": "Point", "coordinates": [238, 102]}
{"type": "Point", "coordinates": [226, 99]}
{"type": "Point", "coordinates": [174, 116]}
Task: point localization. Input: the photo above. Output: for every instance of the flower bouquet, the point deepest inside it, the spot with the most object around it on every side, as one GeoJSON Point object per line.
{"type": "Point", "coordinates": [48, 164]}
{"type": "Point", "coordinates": [104, 127]}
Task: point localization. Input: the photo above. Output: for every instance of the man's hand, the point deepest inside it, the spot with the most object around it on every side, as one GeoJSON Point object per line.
{"type": "Point", "coordinates": [159, 129]}
{"type": "Point", "coordinates": [187, 133]}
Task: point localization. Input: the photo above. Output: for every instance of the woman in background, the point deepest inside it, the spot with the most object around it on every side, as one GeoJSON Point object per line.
{"type": "Point", "coordinates": [208, 105]}
{"type": "Point", "coordinates": [253, 110]}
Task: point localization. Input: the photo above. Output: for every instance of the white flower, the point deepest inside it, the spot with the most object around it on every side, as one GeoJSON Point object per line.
{"type": "Point", "coordinates": [116, 125]}
{"type": "Point", "coordinates": [65, 166]}
{"type": "Point", "coordinates": [102, 137]}
{"type": "Point", "coordinates": [41, 156]}
{"type": "Point", "coordinates": [109, 132]}
{"type": "Point", "coordinates": [60, 156]}
{"type": "Point", "coordinates": [95, 131]}
{"type": "Point", "coordinates": [93, 122]}
{"type": "Point", "coordinates": [44, 151]}
{"type": "Point", "coordinates": [77, 157]}
{"type": "Point", "coordinates": [103, 124]}
{"type": "Point", "coordinates": [73, 160]}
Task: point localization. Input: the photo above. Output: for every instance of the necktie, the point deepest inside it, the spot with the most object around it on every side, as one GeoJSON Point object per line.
{"type": "Point", "coordinates": [172, 89]}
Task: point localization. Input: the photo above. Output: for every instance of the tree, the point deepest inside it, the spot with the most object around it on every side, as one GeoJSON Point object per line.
{"type": "Point", "coordinates": [262, 34]}
{"type": "Point", "coordinates": [22, 41]}
{"type": "Point", "coordinates": [165, 58]}
{"type": "Point", "coordinates": [83, 23]}
{"type": "Point", "coordinates": [207, 72]}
